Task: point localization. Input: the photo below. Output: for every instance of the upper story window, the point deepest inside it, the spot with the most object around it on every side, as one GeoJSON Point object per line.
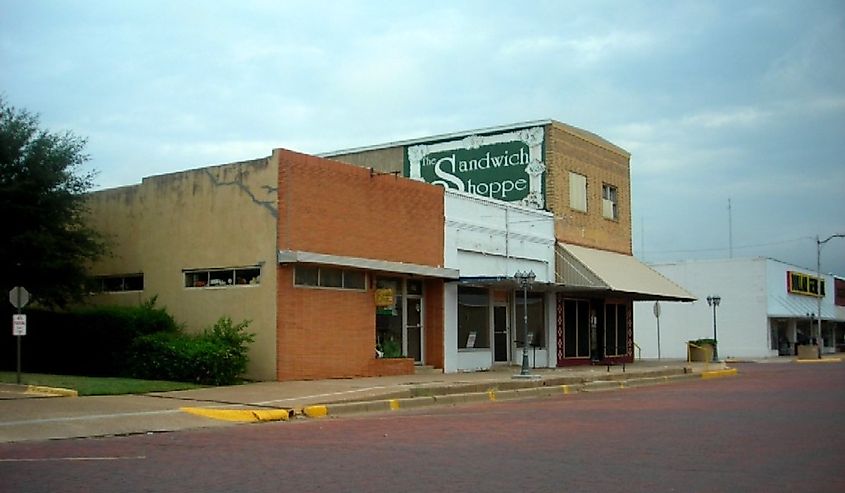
{"type": "Point", "coordinates": [609, 202]}
{"type": "Point", "coordinates": [119, 283]}
{"type": "Point", "coordinates": [577, 192]}
{"type": "Point", "coordinates": [329, 277]}
{"type": "Point", "coordinates": [219, 278]}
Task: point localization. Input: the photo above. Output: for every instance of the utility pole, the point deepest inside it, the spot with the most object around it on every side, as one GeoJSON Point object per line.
{"type": "Point", "coordinates": [730, 231]}
{"type": "Point", "coordinates": [819, 244]}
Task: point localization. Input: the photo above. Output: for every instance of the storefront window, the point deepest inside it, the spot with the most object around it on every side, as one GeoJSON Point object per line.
{"type": "Point", "coordinates": [576, 329]}
{"type": "Point", "coordinates": [389, 320]}
{"type": "Point", "coordinates": [473, 318]}
{"type": "Point", "coordinates": [536, 319]}
{"type": "Point", "coordinates": [615, 329]}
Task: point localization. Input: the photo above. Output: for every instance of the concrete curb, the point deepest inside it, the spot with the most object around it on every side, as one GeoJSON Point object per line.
{"type": "Point", "coordinates": [822, 360]}
{"type": "Point", "coordinates": [423, 396]}
{"type": "Point", "coordinates": [502, 391]}
{"type": "Point", "coordinates": [56, 391]}
{"type": "Point", "coordinates": [718, 373]}
{"type": "Point", "coordinates": [241, 415]}
{"type": "Point", "coordinates": [40, 390]}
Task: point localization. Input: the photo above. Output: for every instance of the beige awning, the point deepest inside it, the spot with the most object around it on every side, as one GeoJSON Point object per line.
{"type": "Point", "coordinates": [294, 257]}
{"type": "Point", "coordinates": [589, 269]}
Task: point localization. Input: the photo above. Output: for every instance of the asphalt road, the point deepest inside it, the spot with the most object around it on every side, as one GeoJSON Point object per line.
{"type": "Point", "coordinates": [775, 427]}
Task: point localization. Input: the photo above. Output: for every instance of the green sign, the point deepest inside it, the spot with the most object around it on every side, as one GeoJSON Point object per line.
{"type": "Point", "coordinates": [506, 166]}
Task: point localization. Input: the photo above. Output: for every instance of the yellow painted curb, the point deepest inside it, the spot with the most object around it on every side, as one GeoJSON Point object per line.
{"type": "Point", "coordinates": [240, 415]}
{"type": "Point", "coordinates": [566, 389]}
{"type": "Point", "coordinates": [823, 360]}
{"type": "Point", "coordinates": [40, 389]}
{"type": "Point", "coordinates": [394, 404]}
{"type": "Point", "coordinates": [315, 411]}
{"type": "Point", "coordinates": [718, 373]}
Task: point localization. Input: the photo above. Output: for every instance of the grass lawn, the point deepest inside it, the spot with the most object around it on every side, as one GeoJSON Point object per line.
{"type": "Point", "coordinates": [96, 385]}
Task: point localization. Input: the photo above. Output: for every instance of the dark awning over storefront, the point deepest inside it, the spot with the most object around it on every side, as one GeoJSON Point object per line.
{"type": "Point", "coordinates": [589, 269]}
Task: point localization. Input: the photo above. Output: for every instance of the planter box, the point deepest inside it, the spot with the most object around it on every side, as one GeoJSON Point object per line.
{"type": "Point", "coordinates": [808, 351]}
{"type": "Point", "coordinates": [385, 367]}
{"type": "Point", "coordinates": [701, 353]}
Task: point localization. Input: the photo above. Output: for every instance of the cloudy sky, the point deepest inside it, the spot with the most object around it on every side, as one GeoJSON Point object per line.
{"type": "Point", "coordinates": [715, 100]}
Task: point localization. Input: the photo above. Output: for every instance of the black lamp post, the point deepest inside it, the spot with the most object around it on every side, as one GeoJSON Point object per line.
{"type": "Point", "coordinates": [714, 302]}
{"type": "Point", "coordinates": [525, 279]}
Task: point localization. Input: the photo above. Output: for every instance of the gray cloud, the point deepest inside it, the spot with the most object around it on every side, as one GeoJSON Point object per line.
{"type": "Point", "coordinates": [715, 100]}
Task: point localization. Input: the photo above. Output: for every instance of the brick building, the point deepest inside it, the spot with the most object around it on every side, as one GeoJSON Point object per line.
{"type": "Point", "coordinates": [340, 265]}
{"type": "Point", "coordinates": [584, 311]}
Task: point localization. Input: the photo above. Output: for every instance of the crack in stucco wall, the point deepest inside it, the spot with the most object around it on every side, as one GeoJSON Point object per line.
{"type": "Point", "coordinates": [267, 204]}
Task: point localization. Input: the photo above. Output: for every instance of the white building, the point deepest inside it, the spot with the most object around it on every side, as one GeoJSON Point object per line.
{"type": "Point", "coordinates": [488, 241]}
{"type": "Point", "coordinates": [766, 307]}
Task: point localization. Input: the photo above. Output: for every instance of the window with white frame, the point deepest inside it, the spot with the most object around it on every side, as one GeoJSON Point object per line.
{"type": "Point", "coordinates": [223, 277]}
{"type": "Point", "coordinates": [609, 201]}
{"type": "Point", "coordinates": [577, 192]}
{"type": "Point", "coordinates": [329, 277]}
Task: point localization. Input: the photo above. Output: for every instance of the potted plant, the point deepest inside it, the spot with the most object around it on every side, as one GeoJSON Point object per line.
{"type": "Point", "coordinates": [701, 349]}
{"type": "Point", "coordinates": [390, 348]}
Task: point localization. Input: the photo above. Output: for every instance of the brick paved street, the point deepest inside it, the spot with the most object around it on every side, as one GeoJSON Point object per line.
{"type": "Point", "coordinates": [772, 428]}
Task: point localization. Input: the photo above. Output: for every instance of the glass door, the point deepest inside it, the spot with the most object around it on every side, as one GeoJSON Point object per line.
{"type": "Point", "coordinates": [399, 328]}
{"type": "Point", "coordinates": [414, 320]}
{"type": "Point", "coordinates": [413, 330]}
{"type": "Point", "coordinates": [500, 333]}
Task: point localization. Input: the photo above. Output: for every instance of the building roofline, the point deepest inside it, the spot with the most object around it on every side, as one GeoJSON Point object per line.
{"type": "Point", "coordinates": [759, 258]}
{"type": "Point", "coordinates": [580, 133]}
{"type": "Point", "coordinates": [446, 136]}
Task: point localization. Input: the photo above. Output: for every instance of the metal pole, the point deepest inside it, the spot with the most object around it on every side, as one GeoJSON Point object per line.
{"type": "Point", "coordinates": [819, 293]}
{"type": "Point", "coordinates": [819, 244]}
{"type": "Point", "coordinates": [658, 337]}
{"type": "Point", "coordinates": [525, 370]}
{"type": "Point", "coordinates": [18, 337]}
{"type": "Point", "coordinates": [715, 338]}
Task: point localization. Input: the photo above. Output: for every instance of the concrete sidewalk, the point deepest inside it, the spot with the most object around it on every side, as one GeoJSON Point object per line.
{"type": "Point", "coordinates": [24, 419]}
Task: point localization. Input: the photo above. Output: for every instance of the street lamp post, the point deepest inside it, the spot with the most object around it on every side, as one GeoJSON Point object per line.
{"type": "Point", "coordinates": [714, 302]}
{"type": "Point", "coordinates": [525, 279]}
{"type": "Point", "coordinates": [819, 244]}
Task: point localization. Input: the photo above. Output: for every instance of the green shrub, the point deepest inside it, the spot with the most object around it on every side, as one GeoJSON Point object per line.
{"type": "Point", "coordinates": [92, 341]}
{"type": "Point", "coordinates": [216, 356]}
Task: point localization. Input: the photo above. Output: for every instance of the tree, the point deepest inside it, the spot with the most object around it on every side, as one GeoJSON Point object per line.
{"type": "Point", "coordinates": [45, 244]}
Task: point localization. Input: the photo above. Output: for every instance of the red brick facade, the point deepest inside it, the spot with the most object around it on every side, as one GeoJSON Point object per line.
{"type": "Point", "coordinates": [333, 208]}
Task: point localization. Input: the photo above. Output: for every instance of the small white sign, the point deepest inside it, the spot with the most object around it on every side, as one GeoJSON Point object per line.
{"type": "Point", "coordinates": [18, 325]}
{"type": "Point", "coordinates": [471, 340]}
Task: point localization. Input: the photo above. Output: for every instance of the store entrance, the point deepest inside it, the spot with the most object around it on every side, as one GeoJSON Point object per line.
{"type": "Point", "coordinates": [577, 333]}
{"type": "Point", "coordinates": [399, 326]}
{"type": "Point", "coordinates": [501, 344]}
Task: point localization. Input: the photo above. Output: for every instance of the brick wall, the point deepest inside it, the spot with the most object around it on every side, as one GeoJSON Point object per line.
{"type": "Point", "coordinates": [339, 209]}
{"type": "Point", "coordinates": [434, 329]}
{"type": "Point", "coordinates": [601, 162]}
